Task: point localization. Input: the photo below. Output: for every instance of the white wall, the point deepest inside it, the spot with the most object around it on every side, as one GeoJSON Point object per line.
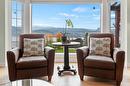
{"type": "Point", "coordinates": [8, 26]}
{"type": "Point", "coordinates": [105, 16]}
{"type": "Point", "coordinates": [4, 30]}
{"type": "Point", "coordinates": [125, 31]}
{"type": "Point", "coordinates": [128, 32]}
{"type": "Point", "coordinates": [27, 24]}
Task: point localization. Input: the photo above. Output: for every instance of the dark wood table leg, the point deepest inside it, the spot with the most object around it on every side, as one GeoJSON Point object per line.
{"type": "Point", "coordinates": [66, 58]}
{"type": "Point", "coordinates": [66, 63]}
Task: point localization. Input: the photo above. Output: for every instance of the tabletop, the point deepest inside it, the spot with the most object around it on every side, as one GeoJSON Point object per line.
{"type": "Point", "coordinates": [66, 44]}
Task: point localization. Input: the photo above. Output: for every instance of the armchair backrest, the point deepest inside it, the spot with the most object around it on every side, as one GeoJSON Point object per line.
{"type": "Point", "coordinates": [30, 36]}
{"type": "Point", "coordinates": [102, 35]}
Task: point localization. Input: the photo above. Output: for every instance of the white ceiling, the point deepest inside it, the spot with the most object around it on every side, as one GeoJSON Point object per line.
{"type": "Point", "coordinates": [64, 1]}
{"type": "Point", "coordinates": [92, 1]}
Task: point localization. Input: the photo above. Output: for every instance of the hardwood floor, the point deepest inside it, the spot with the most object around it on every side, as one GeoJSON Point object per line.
{"type": "Point", "coordinates": [68, 79]}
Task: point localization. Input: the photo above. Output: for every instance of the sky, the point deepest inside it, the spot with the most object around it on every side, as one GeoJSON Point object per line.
{"type": "Point", "coordinates": [54, 15]}
{"type": "Point", "coordinates": [86, 16]}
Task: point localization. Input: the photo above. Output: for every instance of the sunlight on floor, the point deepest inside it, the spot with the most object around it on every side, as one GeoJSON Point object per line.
{"type": "Point", "coordinates": [69, 79]}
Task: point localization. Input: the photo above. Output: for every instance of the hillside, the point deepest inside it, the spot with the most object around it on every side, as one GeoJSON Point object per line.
{"type": "Point", "coordinates": [74, 32]}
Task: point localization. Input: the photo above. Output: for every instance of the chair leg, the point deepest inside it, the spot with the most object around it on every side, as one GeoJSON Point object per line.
{"type": "Point", "coordinates": [118, 83]}
{"type": "Point", "coordinates": [81, 77]}
{"type": "Point", "coordinates": [49, 78]}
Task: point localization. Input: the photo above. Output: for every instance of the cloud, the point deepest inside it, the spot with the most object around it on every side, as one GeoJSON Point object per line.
{"type": "Point", "coordinates": [67, 15]}
{"type": "Point", "coordinates": [95, 16]}
{"type": "Point", "coordinates": [79, 9]}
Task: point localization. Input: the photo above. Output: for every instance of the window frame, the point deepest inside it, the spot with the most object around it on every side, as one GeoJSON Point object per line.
{"type": "Point", "coordinates": [16, 19]}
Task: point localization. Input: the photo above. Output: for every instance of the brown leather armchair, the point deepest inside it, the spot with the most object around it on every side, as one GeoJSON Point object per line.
{"type": "Point", "coordinates": [20, 67]}
{"type": "Point", "coordinates": [101, 66]}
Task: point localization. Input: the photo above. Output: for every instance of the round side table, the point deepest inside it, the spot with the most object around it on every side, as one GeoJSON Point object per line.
{"type": "Point", "coordinates": [66, 57]}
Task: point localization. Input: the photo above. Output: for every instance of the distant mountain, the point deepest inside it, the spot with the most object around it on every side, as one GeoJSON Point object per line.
{"type": "Point", "coordinates": [74, 32]}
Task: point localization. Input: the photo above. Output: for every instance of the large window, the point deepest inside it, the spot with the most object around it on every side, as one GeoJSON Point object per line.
{"type": "Point", "coordinates": [50, 18]}
{"type": "Point", "coordinates": [17, 26]}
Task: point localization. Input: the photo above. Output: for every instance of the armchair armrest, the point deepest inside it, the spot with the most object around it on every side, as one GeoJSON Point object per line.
{"type": "Point", "coordinates": [82, 52]}
{"type": "Point", "coordinates": [119, 58]}
{"type": "Point", "coordinates": [12, 57]}
{"type": "Point", "coordinates": [50, 54]}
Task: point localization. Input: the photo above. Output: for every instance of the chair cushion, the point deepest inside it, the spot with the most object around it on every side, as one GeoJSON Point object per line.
{"type": "Point", "coordinates": [102, 62]}
{"type": "Point", "coordinates": [31, 62]}
{"type": "Point", "coordinates": [100, 46]}
{"type": "Point", "coordinates": [33, 47]}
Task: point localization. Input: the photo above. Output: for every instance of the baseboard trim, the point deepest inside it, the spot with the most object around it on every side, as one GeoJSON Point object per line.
{"type": "Point", "coordinates": [2, 65]}
{"type": "Point", "coordinates": [128, 65]}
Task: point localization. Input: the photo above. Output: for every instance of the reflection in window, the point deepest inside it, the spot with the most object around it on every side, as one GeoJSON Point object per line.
{"type": "Point", "coordinates": [112, 29]}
